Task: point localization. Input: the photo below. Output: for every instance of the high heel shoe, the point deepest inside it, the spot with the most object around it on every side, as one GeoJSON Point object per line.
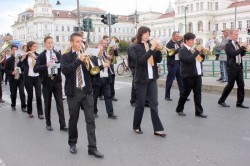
{"type": "Point", "coordinates": [138, 131]}
{"type": "Point", "coordinates": [160, 134]}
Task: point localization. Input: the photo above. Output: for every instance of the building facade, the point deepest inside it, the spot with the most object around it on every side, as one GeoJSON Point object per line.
{"type": "Point", "coordinates": [205, 19]}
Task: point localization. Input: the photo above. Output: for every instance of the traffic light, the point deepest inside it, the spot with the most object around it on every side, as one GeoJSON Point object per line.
{"type": "Point", "coordinates": [248, 31]}
{"type": "Point", "coordinates": [85, 24]}
{"type": "Point", "coordinates": [90, 24]}
{"type": "Point", "coordinates": [104, 18]}
{"type": "Point", "coordinates": [114, 19]}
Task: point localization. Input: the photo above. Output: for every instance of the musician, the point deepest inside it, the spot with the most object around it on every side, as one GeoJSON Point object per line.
{"type": "Point", "coordinates": [101, 83]}
{"type": "Point", "coordinates": [173, 65]}
{"type": "Point", "coordinates": [235, 70]}
{"type": "Point", "coordinates": [51, 81]}
{"type": "Point", "coordinates": [3, 65]}
{"type": "Point", "coordinates": [15, 78]}
{"type": "Point", "coordinates": [146, 74]}
{"type": "Point", "coordinates": [190, 65]}
{"type": "Point", "coordinates": [104, 43]}
{"type": "Point", "coordinates": [221, 49]}
{"type": "Point", "coordinates": [1, 92]}
{"type": "Point", "coordinates": [32, 79]}
{"type": "Point", "coordinates": [78, 90]}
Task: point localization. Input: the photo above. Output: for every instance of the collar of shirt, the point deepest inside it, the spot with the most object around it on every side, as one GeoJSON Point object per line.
{"type": "Point", "coordinates": [77, 53]}
{"type": "Point", "coordinates": [187, 47]}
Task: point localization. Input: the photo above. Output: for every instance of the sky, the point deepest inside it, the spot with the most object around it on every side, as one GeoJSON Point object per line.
{"type": "Point", "coordinates": [11, 8]}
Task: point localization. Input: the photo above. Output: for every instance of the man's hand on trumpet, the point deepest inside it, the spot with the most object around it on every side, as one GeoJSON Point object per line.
{"type": "Point", "coordinates": [199, 48]}
{"type": "Point", "coordinates": [83, 57]}
{"type": "Point", "coordinates": [106, 64]}
{"type": "Point", "coordinates": [244, 44]}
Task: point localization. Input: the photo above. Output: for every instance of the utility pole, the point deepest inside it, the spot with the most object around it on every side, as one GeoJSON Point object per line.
{"type": "Point", "coordinates": [235, 14]}
{"type": "Point", "coordinates": [109, 22]}
{"type": "Point", "coordinates": [78, 16]}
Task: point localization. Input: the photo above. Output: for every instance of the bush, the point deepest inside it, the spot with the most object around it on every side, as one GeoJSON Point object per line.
{"type": "Point", "coordinates": [123, 46]}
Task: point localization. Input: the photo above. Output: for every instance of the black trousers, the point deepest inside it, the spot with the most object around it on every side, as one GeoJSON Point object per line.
{"type": "Point", "coordinates": [191, 83]}
{"type": "Point", "coordinates": [55, 88]}
{"type": "Point", "coordinates": [133, 91]}
{"type": "Point", "coordinates": [112, 85]}
{"type": "Point", "coordinates": [29, 83]}
{"type": "Point", "coordinates": [14, 84]}
{"type": "Point", "coordinates": [74, 104]}
{"type": "Point", "coordinates": [173, 72]}
{"type": "Point", "coordinates": [141, 93]}
{"type": "Point", "coordinates": [235, 74]}
{"type": "Point", "coordinates": [104, 88]}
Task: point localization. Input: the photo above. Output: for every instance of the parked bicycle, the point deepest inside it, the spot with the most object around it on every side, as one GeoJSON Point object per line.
{"type": "Point", "coordinates": [123, 67]}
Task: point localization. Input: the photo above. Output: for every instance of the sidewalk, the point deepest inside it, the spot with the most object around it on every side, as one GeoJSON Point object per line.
{"type": "Point", "coordinates": [209, 84]}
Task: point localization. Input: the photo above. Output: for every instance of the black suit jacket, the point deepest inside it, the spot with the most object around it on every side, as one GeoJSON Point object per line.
{"type": "Point", "coordinates": [141, 58]}
{"type": "Point", "coordinates": [25, 64]}
{"type": "Point", "coordinates": [171, 45]}
{"type": "Point", "coordinates": [9, 67]}
{"type": "Point", "coordinates": [96, 78]}
{"type": "Point", "coordinates": [131, 58]}
{"type": "Point", "coordinates": [188, 62]}
{"type": "Point", "coordinates": [69, 64]}
{"type": "Point", "coordinates": [41, 67]}
{"type": "Point", "coordinates": [232, 53]}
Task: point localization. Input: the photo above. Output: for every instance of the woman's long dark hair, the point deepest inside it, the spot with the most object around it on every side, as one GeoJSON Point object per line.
{"type": "Point", "coordinates": [30, 44]}
{"type": "Point", "coordinates": [140, 32]}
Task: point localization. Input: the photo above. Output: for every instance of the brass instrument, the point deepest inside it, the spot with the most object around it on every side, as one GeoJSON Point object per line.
{"type": "Point", "coordinates": [115, 42]}
{"type": "Point", "coordinates": [90, 66]}
{"type": "Point", "coordinates": [5, 46]}
{"type": "Point", "coordinates": [164, 49]}
{"type": "Point", "coordinates": [105, 60]}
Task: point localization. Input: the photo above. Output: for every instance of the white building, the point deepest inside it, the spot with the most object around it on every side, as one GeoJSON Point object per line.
{"type": "Point", "coordinates": [205, 19]}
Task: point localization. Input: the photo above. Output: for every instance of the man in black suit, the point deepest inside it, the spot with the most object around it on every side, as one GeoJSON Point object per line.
{"type": "Point", "coordinates": [1, 92]}
{"type": "Point", "coordinates": [173, 64]}
{"type": "Point", "coordinates": [191, 72]}
{"type": "Point", "coordinates": [78, 90]}
{"type": "Point", "coordinates": [101, 83]}
{"type": "Point", "coordinates": [52, 83]}
{"type": "Point", "coordinates": [235, 70]}
{"type": "Point", "coordinates": [15, 77]}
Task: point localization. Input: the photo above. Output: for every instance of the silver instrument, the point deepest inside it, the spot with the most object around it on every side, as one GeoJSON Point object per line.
{"type": "Point", "coordinates": [104, 59]}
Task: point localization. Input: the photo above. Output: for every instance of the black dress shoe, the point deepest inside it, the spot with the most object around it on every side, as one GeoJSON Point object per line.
{"type": "Point", "coordinates": [242, 106]}
{"type": "Point", "coordinates": [114, 99]}
{"type": "Point", "coordinates": [31, 116]}
{"type": "Point", "coordinates": [101, 98]}
{"type": "Point", "coordinates": [138, 131]}
{"type": "Point", "coordinates": [112, 116]}
{"type": "Point", "coordinates": [181, 113]}
{"type": "Point", "coordinates": [95, 153]}
{"type": "Point", "coordinates": [147, 105]}
{"type": "Point", "coordinates": [2, 101]}
{"type": "Point", "coordinates": [168, 99]}
{"type": "Point", "coordinates": [13, 108]}
{"type": "Point", "coordinates": [50, 128]}
{"type": "Point", "coordinates": [201, 115]}
{"type": "Point", "coordinates": [223, 104]}
{"type": "Point", "coordinates": [188, 99]}
{"type": "Point", "coordinates": [96, 116]}
{"type": "Point", "coordinates": [24, 109]}
{"type": "Point", "coordinates": [64, 128]}
{"type": "Point", "coordinates": [160, 134]}
{"type": "Point", "coordinates": [133, 104]}
{"type": "Point", "coordinates": [40, 116]}
{"type": "Point", "coordinates": [73, 149]}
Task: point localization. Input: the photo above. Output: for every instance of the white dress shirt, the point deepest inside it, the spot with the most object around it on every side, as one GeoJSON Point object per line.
{"type": "Point", "coordinates": [104, 72]}
{"type": "Point", "coordinates": [31, 73]}
{"type": "Point", "coordinates": [78, 56]}
{"type": "Point", "coordinates": [238, 57]}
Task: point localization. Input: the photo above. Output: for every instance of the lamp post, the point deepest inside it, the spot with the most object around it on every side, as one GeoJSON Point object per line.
{"type": "Point", "coordinates": [185, 19]}
{"type": "Point", "coordinates": [235, 14]}
{"type": "Point", "coordinates": [78, 13]}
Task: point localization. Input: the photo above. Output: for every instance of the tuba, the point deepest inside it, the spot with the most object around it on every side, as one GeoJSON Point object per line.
{"type": "Point", "coordinates": [115, 42]}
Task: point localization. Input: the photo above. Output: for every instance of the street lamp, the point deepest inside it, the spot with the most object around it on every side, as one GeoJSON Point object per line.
{"type": "Point", "coordinates": [235, 14]}
{"type": "Point", "coordinates": [78, 13]}
{"type": "Point", "coordinates": [185, 19]}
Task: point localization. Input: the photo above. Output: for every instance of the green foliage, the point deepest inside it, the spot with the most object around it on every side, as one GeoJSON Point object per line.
{"type": "Point", "coordinates": [123, 46]}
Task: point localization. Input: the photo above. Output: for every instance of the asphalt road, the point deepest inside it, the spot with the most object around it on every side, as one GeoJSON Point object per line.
{"type": "Point", "coordinates": [223, 139]}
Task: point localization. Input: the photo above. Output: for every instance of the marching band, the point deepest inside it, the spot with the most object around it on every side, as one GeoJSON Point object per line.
{"type": "Point", "coordinates": [83, 86]}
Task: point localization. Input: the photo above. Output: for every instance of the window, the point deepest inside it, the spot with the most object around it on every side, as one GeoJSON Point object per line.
{"type": "Point", "coordinates": [248, 40]}
{"type": "Point", "coordinates": [56, 28]}
{"type": "Point", "coordinates": [159, 32]}
{"type": "Point", "coordinates": [201, 6]}
{"type": "Point", "coordinates": [63, 38]}
{"type": "Point", "coordinates": [208, 6]}
{"type": "Point", "coordinates": [224, 25]}
{"type": "Point", "coordinates": [179, 10]}
{"type": "Point", "coordinates": [45, 27]}
{"type": "Point", "coordinates": [240, 25]}
{"type": "Point", "coordinates": [197, 7]}
{"type": "Point", "coordinates": [169, 32]}
{"type": "Point", "coordinates": [209, 26]}
{"type": "Point", "coordinates": [191, 8]}
{"type": "Point", "coordinates": [58, 14]}
{"type": "Point", "coordinates": [68, 28]}
{"type": "Point", "coordinates": [216, 27]}
{"type": "Point", "coordinates": [216, 5]}
{"type": "Point", "coordinates": [164, 32]}
{"type": "Point", "coordinates": [232, 25]}
{"type": "Point", "coordinates": [57, 38]}
{"type": "Point", "coordinates": [114, 30]}
{"type": "Point", "coordinates": [62, 28]}
{"type": "Point", "coordinates": [154, 32]}
{"type": "Point", "coordinates": [248, 23]}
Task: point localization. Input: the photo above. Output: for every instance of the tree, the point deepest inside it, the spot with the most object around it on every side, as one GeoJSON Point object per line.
{"type": "Point", "coordinates": [123, 46]}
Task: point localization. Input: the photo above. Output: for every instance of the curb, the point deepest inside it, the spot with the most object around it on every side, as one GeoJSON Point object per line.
{"type": "Point", "coordinates": [210, 88]}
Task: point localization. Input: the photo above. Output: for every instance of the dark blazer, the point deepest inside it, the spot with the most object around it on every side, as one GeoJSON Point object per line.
{"type": "Point", "coordinates": [141, 57]}
{"type": "Point", "coordinates": [41, 67]}
{"type": "Point", "coordinates": [131, 58]}
{"type": "Point", "coordinates": [25, 64]}
{"type": "Point", "coordinates": [96, 78]}
{"type": "Point", "coordinates": [9, 67]}
{"type": "Point", "coordinates": [232, 53]}
{"type": "Point", "coordinates": [188, 62]}
{"type": "Point", "coordinates": [170, 45]}
{"type": "Point", "coordinates": [69, 64]}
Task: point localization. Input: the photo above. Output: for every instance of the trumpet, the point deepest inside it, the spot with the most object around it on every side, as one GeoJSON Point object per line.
{"type": "Point", "coordinates": [115, 42]}
{"type": "Point", "coordinates": [90, 66]}
{"type": "Point", "coordinates": [164, 49]}
{"type": "Point", "coordinates": [105, 60]}
{"type": "Point", "coordinates": [205, 51]}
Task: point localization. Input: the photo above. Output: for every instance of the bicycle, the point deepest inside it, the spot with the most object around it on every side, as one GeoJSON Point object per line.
{"type": "Point", "coordinates": [122, 67]}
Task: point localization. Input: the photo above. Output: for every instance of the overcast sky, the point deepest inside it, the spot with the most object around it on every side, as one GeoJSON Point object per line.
{"type": "Point", "coordinates": [10, 8]}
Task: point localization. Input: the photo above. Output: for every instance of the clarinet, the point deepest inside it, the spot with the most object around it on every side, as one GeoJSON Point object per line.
{"type": "Point", "coordinates": [52, 69]}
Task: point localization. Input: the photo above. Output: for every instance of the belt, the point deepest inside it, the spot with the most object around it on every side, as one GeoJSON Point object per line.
{"type": "Point", "coordinates": [80, 88]}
